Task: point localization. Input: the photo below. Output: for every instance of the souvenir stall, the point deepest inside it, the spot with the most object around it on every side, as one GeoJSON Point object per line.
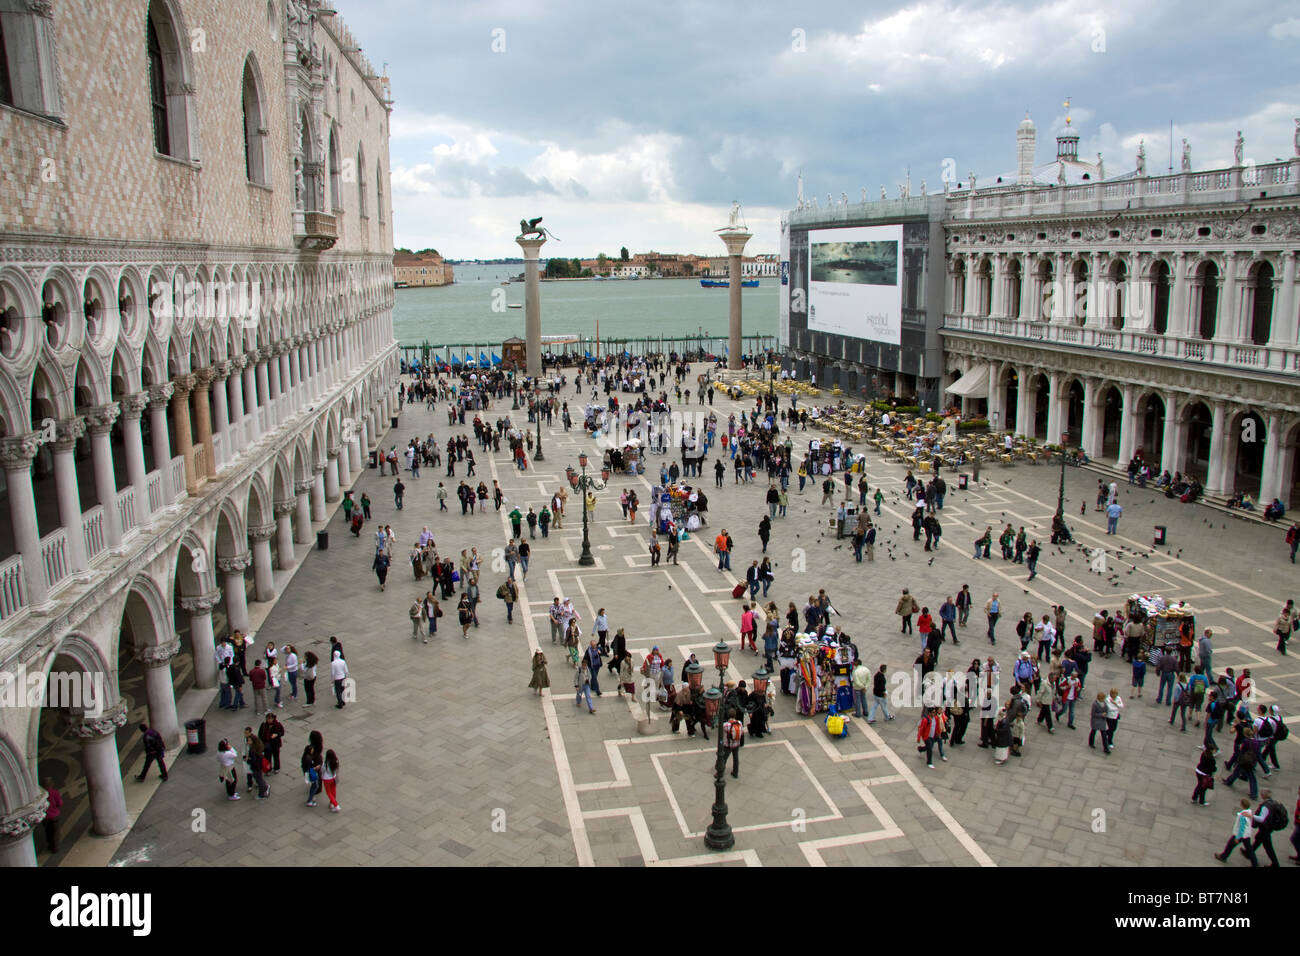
{"type": "Point", "coordinates": [677, 504]}
{"type": "Point", "coordinates": [1163, 621]}
{"type": "Point", "coordinates": [822, 676]}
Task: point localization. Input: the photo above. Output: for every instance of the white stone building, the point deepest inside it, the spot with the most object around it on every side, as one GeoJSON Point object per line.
{"type": "Point", "coordinates": [196, 351]}
{"type": "Point", "coordinates": [1142, 312]}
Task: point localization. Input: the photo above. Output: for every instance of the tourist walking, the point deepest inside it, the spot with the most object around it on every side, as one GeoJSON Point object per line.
{"type": "Point", "coordinates": [154, 750]}
{"type": "Point", "coordinates": [330, 780]}
{"type": "Point", "coordinates": [582, 685]}
{"type": "Point", "coordinates": [339, 675]}
{"type": "Point", "coordinates": [253, 759]}
{"type": "Point", "coordinates": [541, 679]}
{"type": "Point", "coordinates": [309, 660]}
{"type": "Point", "coordinates": [1099, 724]}
{"type": "Point", "coordinates": [1243, 829]}
{"type": "Point", "coordinates": [993, 608]}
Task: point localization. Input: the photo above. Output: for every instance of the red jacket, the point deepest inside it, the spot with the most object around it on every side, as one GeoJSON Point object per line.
{"type": "Point", "coordinates": [257, 677]}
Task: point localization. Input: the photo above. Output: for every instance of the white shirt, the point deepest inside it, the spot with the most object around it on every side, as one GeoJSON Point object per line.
{"type": "Point", "coordinates": [1113, 706]}
{"type": "Point", "coordinates": [338, 669]}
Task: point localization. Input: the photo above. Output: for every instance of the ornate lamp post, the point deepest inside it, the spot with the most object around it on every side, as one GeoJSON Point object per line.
{"type": "Point", "coordinates": [1060, 493]}
{"type": "Point", "coordinates": [585, 484]}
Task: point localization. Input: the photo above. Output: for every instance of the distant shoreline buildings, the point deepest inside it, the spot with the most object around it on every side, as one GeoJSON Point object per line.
{"type": "Point", "coordinates": [416, 270]}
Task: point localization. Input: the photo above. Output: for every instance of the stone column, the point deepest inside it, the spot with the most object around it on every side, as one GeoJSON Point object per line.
{"type": "Point", "coordinates": [284, 511]}
{"type": "Point", "coordinates": [65, 480]}
{"type": "Point", "coordinates": [1214, 477]}
{"type": "Point", "coordinates": [157, 661]}
{"type": "Point", "coordinates": [100, 419]}
{"type": "Point", "coordinates": [1127, 427]}
{"type": "Point", "coordinates": [318, 494]}
{"type": "Point", "coordinates": [276, 383]}
{"type": "Point", "coordinates": [332, 476]}
{"type": "Point", "coordinates": [1054, 407]}
{"type": "Point", "coordinates": [252, 428]}
{"type": "Point", "coordinates": [354, 454]}
{"type": "Point", "coordinates": [1171, 453]}
{"type": "Point", "coordinates": [1283, 332]}
{"type": "Point", "coordinates": [133, 407]}
{"type": "Point", "coordinates": [103, 769]}
{"type": "Point", "coordinates": [184, 438]}
{"type": "Point", "coordinates": [232, 579]}
{"type": "Point", "coordinates": [1275, 479]}
{"type": "Point", "coordinates": [286, 380]}
{"type": "Point", "coordinates": [264, 389]}
{"type": "Point", "coordinates": [17, 848]}
{"type": "Point", "coordinates": [16, 456]}
{"type": "Point", "coordinates": [734, 239]}
{"type": "Point", "coordinates": [1061, 302]}
{"type": "Point", "coordinates": [1098, 308]}
{"type": "Point", "coordinates": [1025, 405]}
{"type": "Point", "coordinates": [221, 412]}
{"type": "Point", "coordinates": [202, 637]}
{"type": "Point", "coordinates": [1030, 308]}
{"type": "Point", "coordinates": [159, 396]}
{"type": "Point", "coordinates": [532, 304]}
{"type": "Point", "coordinates": [1093, 420]}
{"type": "Point", "coordinates": [969, 299]}
{"type": "Point", "coordinates": [995, 396]}
{"type": "Point", "coordinates": [302, 506]}
{"type": "Point", "coordinates": [1179, 322]}
{"type": "Point", "coordinates": [1227, 326]}
{"type": "Point", "coordinates": [997, 294]}
{"type": "Point", "coordinates": [235, 396]}
{"type": "Point", "coordinates": [263, 573]}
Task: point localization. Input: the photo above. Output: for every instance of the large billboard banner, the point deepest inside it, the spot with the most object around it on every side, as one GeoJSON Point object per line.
{"type": "Point", "coordinates": [855, 283]}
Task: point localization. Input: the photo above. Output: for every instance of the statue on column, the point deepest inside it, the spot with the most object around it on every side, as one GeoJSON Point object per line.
{"type": "Point", "coordinates": [1060, 173]}
{"type": "Point", "coordinates": [1238, 149]}
{"type": "Point", "coordinates": [844, 199]}
{"type": "Point", "coordinates": [922, 187]}
{"type": "Point", "coordinates": [1101, 168]}
{"type": "Point", "coordinates": [1187, 156]}
{"type": "Point", "coordinates": [971, 174]}
{"type": "Point", "coordinates": [733, 220]}
{"type": "Point", "coordinates": [298, 187]}
{"type": "Point", "coordinates": [1142, 158]}
{"type": "Point", "coordinates": [864, 194]}
{"type": "Point", "coordinates": [882, 191]}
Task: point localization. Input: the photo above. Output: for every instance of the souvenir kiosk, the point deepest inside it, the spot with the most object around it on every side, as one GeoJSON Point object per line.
{"type": "Point", "coordinates": [1162, 621]}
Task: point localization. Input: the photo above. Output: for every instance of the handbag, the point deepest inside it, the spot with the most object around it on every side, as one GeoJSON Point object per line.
{"type": "Point", "coordinates": [266, 764]}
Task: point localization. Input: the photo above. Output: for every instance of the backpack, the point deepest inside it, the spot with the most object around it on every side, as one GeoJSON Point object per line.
{"type": "Point", "coordinates": [502, 591]}
{"type": "Point", "coordinates": [1280, 731]}
{"type": "Point", "coordinates": [733, 733]}
{"type": "Point", "coordinates": [1247, 759]}
{"type": "Point", "coordinates": [416, 610]}
{"type": "Point", "coordinates": [1277, 818]}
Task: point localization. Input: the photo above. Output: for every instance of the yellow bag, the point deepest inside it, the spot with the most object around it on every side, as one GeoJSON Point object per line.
{"type": "Point", "coordinates": [835, 725]}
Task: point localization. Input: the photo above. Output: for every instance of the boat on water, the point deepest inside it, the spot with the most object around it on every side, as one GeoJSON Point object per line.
{"type": "Point", "coordinates": [726, 283]}
{"type": "Point", "coordinates": [514, 305]}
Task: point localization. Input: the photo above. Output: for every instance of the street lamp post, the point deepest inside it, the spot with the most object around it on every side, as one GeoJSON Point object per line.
{"type": "Point", "coordinates": [585, 484]}
{"type": "Point", "coordinates": [1060, 493]}
{"type": "Point", "coordinates": [719, 836]}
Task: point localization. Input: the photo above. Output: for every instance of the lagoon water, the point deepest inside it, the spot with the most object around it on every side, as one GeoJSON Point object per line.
{"type": "Point", "coordinates": [473, 309]}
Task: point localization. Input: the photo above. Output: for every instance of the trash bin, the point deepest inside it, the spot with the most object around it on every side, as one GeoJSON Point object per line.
{"type": "Point", "coordinates": [322, 540]}
{"type": "Point", "coordinates": [374, 459]}
{"type": "Point", "coordinates": [196, 735]}
{"type": "Point", "coordinates": [1161, 533]}
{"type": "Point", "coordinates": [393, 421]}
{"type": "Point", "coordinates": [962, 481]}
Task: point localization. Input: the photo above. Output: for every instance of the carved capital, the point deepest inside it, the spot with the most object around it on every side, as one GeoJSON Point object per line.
{"type": "Point", "coordinates": [203, 377]}
{"type": "Point", "coordinates": [23, 820]}
{"type": "Point", "coordinates": [201, 603]}
{"type": "Point", "coordinates": [238, 363]}
{"type": "Point", "coordinates": [100, 418]}
{"type": "Point", "coordinates": [264, 353]}
{"type": "Point", "coordinates": [41, 8]}
{"type": "Point", "coordinates": [235, 564]}
{"type": "Point", "coordinates": [17, 452]}
{"type": "Point", "coordinates": [303, 487]}
{"type": "Point", "coordinates": [156, 655]}
{"type": "Point", "coordinates": [104, 725]}
{"type": "Point", "coordinates": [161, 394]}
{"type": "Point", "coordinates": [261, 532]}
{"type": "Point", "coordinates": [282, 508]}
{"type": "Point", "coordinates": [133, 405]}
{"type": "Point", "coordinates": [67, 431]}
{"type": "Point", "coordinates": [334, 452]}
{"type": "Point", "coordinates": [221, 370]}
{"type": "Point", "coordinates": [184, 384]}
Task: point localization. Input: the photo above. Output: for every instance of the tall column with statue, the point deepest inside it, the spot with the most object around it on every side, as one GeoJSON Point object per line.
{"type": "Point", "coordinates": [531, 238]}
{"type": "Point", "coordinates": [734, 236]}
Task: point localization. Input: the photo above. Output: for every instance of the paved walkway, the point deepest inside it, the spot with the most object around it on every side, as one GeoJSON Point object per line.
{"type": "Point", "coordinates": [448, 758]}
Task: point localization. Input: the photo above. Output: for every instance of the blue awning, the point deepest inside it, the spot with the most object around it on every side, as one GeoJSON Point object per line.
{"type": "Point", "coordinates": [496, 359]}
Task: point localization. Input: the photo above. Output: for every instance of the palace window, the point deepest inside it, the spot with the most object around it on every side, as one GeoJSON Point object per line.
{"type": "Point", "coordinates": [28, 78]}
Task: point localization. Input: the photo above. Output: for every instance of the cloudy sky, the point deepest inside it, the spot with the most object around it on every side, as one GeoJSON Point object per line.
{"type": "Point", "coordinates": [638, 124]}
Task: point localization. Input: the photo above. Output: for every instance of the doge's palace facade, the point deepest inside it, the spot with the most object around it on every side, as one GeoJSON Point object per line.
{"type": "Point", "coordinates": [196, 352]}
{"type": "Point", "coordinates": [1152, 313]}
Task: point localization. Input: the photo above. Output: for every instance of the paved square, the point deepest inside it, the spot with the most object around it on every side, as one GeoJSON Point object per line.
{"type": "Point", "coordinates": [449, 759]}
